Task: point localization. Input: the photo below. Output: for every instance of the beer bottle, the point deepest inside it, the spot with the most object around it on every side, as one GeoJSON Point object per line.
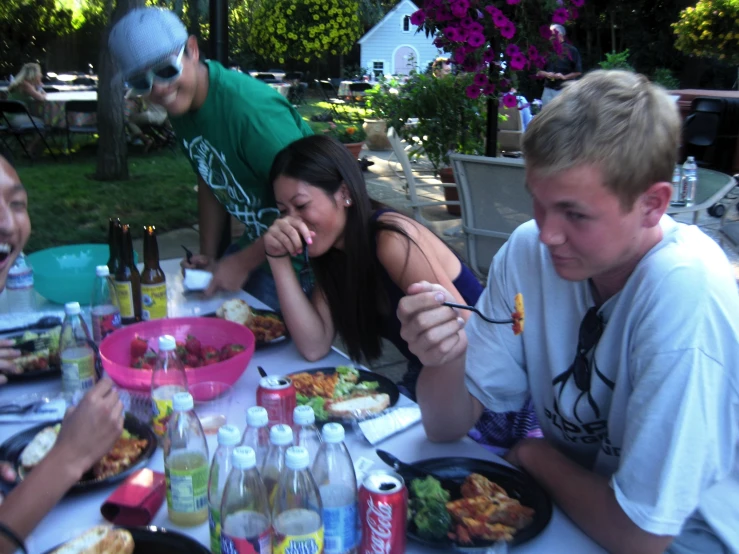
{"type": "Point", "coordinates": [114, 232]}
{"type": "Point", "coordinates": [153, 282]}
{"type": "Point", "coordinates": [128, 280]}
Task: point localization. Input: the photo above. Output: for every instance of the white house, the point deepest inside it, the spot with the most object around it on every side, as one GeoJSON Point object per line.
{"type": "Point", "coordinates": [393, 46]}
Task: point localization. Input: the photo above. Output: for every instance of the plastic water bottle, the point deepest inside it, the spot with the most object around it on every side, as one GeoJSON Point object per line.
{"type": "Point", "coordinates": [256, 434]}
{"type": "Point", "coordinates": [247, 521]}
{"type": "Point", "coordinates": [76, 355]}
{"type": "Point", "coordinates": [105, 314]}
{"type": "Point", "coordinates": [333, 471]}
{"type": "Point", "coordinates": [167, 379]}
{"type": "Point", "coordinates": [306, 434]}
{"type": "Point", "coordinates": [677, 183]}
{"type": "Point", "coordinates": [21, 296]}
{"type": "Point", "coordinates": [220, 468]}
{"type": "Point", "coordinates": [297, 514]}
{"type": "Point", "coordinates": [690, 180]}
{"type": "Point", "coordinates": [186, 465]}
{"type": "Point", "coordinates": [280, 438]}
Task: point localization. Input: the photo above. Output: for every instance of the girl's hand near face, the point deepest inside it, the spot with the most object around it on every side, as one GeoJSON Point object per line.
{"type": "Point", "coordinates": [285, 237]}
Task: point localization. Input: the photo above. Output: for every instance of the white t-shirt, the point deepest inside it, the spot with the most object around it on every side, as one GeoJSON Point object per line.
{"type": "Point", "coordinates": [662, 414]}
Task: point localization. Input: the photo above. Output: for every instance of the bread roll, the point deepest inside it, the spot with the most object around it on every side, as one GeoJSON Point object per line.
{"type": "Point", "coordinates": [235, 310]}
{"type": "Point", "coordinates": [99, 540]}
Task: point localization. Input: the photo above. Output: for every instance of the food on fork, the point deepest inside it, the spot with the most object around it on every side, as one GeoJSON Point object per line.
{"type": "Point", "coordinates": [518, 314]}
{"type": "Point", "coordinates": [99, 540]}
{"type": "Point", "coordinates": [235, 310]}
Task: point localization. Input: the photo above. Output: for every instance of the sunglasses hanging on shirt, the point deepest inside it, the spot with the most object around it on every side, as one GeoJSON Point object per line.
{"type": "Point", "coordinates": [591, 329]}
{"type": "Point", "coordinates": [164, 72]}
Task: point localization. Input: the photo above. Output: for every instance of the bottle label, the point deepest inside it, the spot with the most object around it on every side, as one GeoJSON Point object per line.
{"type": "Point", "coordinates": [340, 526]}
{"type": "Point", "coordinates": [162, 409]}
{"type": "Point", "coordinates": [237, 545]}
{"type": "Point", "coordinates": [124, 292]}
{"type": "Point", "coordinates": [104, 324]}
{"type": "Point", "coordinates": [20, 279]}
{"type": "Point", "coordinates": [154, 301]}
{"type": "Point", "coordinates": [214, 522]}
{"type": "Point", "coordinates": [78, 373]}
{"type": "Point", "coordinates": [300, 544]}
{"type": "Point", "coordinates": [187, 489]}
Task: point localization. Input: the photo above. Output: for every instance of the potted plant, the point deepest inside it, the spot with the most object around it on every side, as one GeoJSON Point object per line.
{"type": "Point", "coordinates": [384, 105]}
{"type": "Point", "coordinates": [351, 136]}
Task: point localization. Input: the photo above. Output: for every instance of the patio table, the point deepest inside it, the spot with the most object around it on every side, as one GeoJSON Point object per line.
{"type": "Point", "coordinates": [712, 186]}
{"type": "Point", "coordinates": [282, 88]}
{"type": "Point", "coordinates": [54, 111]}
{"type": "Point", "coordinates": [79, 512]}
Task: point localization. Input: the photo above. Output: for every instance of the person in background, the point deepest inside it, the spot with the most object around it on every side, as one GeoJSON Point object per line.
{"type": "Point", "coordinates": [441, 67]}
{"type": "Point", "coordinates": [562, 67]}
{"type": "Point", "coordinates": [26, 87]}
{"type": "Point", "coordinates": [631, 332]}
{"type": "Point", "coordinates": [141, 113]}
{"type": "Point", "coordinates": [230, 127]}
{"type": "Point", "coordinates": [364, 257]}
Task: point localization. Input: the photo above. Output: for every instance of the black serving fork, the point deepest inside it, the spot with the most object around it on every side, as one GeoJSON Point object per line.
{"type": "Point", "coordinates": [478, 312]}
{"type": "Point", "coordinates": [306, 280]}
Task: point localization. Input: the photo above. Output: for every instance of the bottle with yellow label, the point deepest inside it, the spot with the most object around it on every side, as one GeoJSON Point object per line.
{"type": "Point", "coordinates": [153, 282]}
{"type": "Point", "coordinates": [76, 355]}
{"type": "Point", "coordinates": [296, 516]}
{"type": "Point", "coordinates": [167, 379]}
{"type": "Point", "coordinates": [127, 281]}
{"type": "Point", "coordinates": [186, 465]}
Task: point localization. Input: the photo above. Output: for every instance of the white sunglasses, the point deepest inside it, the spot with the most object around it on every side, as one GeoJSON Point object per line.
{"type": "Point", "coordinates": [164, 72]}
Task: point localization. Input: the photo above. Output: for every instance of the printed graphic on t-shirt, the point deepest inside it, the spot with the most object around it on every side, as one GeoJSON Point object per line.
{"type": "Point", "coordinates": [214, 170]}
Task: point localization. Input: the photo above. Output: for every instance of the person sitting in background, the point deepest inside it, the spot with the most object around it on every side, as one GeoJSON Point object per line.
{"type": "Point", "coordinates": [631, 333]}
{"type": "Point", "coordinates": [364, 257]}
{"type": "Point", "coordinates": [26, 87]}
{"type": "Point", "coordinates": [142, 113]}
{"type": "Point", "coordinates": [441, 67]}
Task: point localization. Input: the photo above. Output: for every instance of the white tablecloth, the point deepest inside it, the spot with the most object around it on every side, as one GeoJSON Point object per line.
{"type": "Point", "coordinates": [80, 512]}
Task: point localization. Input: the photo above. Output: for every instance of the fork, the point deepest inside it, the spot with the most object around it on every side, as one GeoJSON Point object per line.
{"type": "Point", "coordinates": [34, 345]}
{"type": "Point", "coordinates": [478, 312]}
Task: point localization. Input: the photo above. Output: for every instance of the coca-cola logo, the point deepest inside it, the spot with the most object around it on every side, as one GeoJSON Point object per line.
{"type": "Point", "coordinates": [380, 522]}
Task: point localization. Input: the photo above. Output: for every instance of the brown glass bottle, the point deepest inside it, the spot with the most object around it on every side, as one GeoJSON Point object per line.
{"type": "Point", "coordinates": [128, 280]}
{"type": "Point", "coordinates": [114, 239]}
{"type": "Point", "coordinates": [153, 282]}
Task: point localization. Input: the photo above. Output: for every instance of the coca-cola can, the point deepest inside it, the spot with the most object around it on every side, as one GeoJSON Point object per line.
{"type": "Point", "coordinates": [277, 396]}
{"type": "Point", "coordinates": [383, 510]}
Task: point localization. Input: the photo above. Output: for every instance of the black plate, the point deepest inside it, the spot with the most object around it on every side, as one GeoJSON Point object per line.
{"type": "Point", "coordinates": [52, 371]}
{"type": "Point", "coordinates": [157, 540]}
{"type": "Point", "coordinates": [12, 448]}
{"type": "Point", "coordinates": [385, 385]}
{"type": "Point", "coordinates": [516, 484]}
{"type": "Point", "coordinates": [277, 316]}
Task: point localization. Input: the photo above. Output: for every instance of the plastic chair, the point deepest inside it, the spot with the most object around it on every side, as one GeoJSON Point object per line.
{"type": "Point", "coordinates": [88, 127]}
{"type": "Point", "coordinates": [14, 107]}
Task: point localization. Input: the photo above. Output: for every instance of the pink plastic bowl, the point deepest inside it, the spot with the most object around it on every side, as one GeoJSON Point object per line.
{"type": "Point", "coordinates": [115, 350]}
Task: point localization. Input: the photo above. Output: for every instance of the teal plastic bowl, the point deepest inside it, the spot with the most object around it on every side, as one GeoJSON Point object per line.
{"type": "Point", "coordinates": [66, 273]}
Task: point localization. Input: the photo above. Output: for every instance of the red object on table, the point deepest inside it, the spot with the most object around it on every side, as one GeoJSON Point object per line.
{"type": "Point", "coordinates": [137, 500]}
{"type": "Point", "coordinates": [383, 511]}
{"type": "Point", "coordinates": [277, 395]}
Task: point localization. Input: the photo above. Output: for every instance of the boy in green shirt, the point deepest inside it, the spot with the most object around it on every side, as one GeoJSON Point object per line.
{"type": "Point", "coordinates": [230, 127]}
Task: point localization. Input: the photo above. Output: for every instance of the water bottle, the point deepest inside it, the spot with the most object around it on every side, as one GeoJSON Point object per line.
{"type": "Point", "coordinates": [186, 465]}
{"type": "Point", "coordinates": [167, 379]}
{"type": "Point", "coordinates": [690, 180]}
{"type": "Point", "coordinates": [297, 514]}
{"type": "Point", "coordinates": [677, 183]}
{"type": "Point", "coordinates": [256, 434]}
{"type": "Point", "coordinates": [306, 434]}
{"type": "Point", "coordinates": [247, 521]}
{"type": "Point", "coordinates": [76, 355]}
{"type": "Point", "coordinates": [333, 471]}
{"type": "Point", "coordinates": [280, 438]}
{"type": "Point", "coordinates": [220, 468]}
{"type": "Point", "coordinates": [21, 296]}
{"type": "Point", "coordinates": [104, 311]}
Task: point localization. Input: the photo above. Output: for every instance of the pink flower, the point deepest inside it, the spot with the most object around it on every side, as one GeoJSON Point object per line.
{"type": "Point", "coordinates": [417, 18]}
{"type": "Point", "coordinates": [578, 3]}
{"type": "Point", "coordinates": [574, 13]}
{"type": "Point", "coordinates": [545, 32]}
{"type": "Point", "coordinates": [488, 89]}
{"type": "Point", "coordinates": [488, 56]}
{"type": "Point", "coordinates": [459, 56]}
{"type": "Point", "coordinates": [444, 15]}
{"type": "Point", "coordinates": [533, 52]}
{"type": "Point", "coordinates": [499, 19]}
{"type": "Point", "coordinates": [557, 47]}
{"type": "Point", "coordinates": [466, 22]}
{"type": "Point", "coordinates": [509, 101]}
{"type": "Point", "coordinates": [538, 61]}
{"type": "Point", "coordinates": [459, 8]}
{"type": "Point", "coordinates": [475, 26]}
{"type": "Point", "coordinates": [511, 49]}
{"type": "Point", "coordinates": [481, 80]}
{"type": "Point", "coordinates": [513, 2]}
{"type": "Point", "coordinates": [518, 61]}
{"type": "Point", "coordinates": [508, 30]}
{"type": "Point", "coordinates": [472, 92]}
{"type": "Point", "coordinates": [560, 16]}
{"type": "Point", "coordinates": [470, 65]}
{"type": "Point", "coordinates": [452, 33]}
{"type": "Point", "coordinates": [438, 41]}
{"type": "Point", "coordinates": [492, 10]}
{"type": "Point", "coordinates": [476, 39]}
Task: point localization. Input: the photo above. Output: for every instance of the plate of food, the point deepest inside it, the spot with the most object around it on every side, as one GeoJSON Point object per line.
{"type": "Point", "coordinates": [131, 451]}
{"type": "Point", "coordinates": [268, 326]}
{"type": "Point", "coordinates": [37, 363]}
{"type": "Point", "coordinates": [344, 393]}
{"type": "Point", "coordinates": [105, 539]}
{"type": "Point", "coordinates": [473, 504]}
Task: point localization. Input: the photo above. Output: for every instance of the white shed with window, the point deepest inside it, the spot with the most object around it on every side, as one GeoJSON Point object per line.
{"type": "Point", "coordinates": [392, 47]}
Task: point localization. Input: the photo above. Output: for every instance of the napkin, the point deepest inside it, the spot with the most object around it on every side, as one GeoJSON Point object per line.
{"type": "Point", "coordinates": [196, 279]}
{"type": "Point", "coordinates": [389, 423]}
{"type": "Point", "coordinates": [137, 500]}
{"type": "Point", "coordinates": [51, 411]}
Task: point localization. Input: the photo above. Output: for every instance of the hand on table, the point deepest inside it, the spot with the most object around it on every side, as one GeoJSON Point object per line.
{"type": "Point", "coordinates": [198, 261]}
{"type": "Point", "coordinates": [7, 355]}
{"type": "Point", "coordinates": [285, 237]}
{"type": "Point", "coordinates": [228, 275]}
{"type": "Point", "coordinates": [434, 333]}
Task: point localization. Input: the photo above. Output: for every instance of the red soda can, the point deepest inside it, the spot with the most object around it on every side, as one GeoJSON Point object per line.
{"type": "Point", "coordinates": [277, 396]}
{"type": "Point", "coordinates": [383, 510]}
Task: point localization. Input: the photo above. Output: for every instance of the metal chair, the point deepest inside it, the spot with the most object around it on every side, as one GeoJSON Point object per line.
{"type": "Point", "coordinates": [89, 107]}
{"type": "Point", "coordinates": [14, 107]}
{"type": "Point", "coordinates": [329, 94]}
{"type": "Point", "coordinates": [494, 202]}
{"type": "Point", "coordinates": [357, 96]}
{"type": "Point", "coordinates": [510, 131]}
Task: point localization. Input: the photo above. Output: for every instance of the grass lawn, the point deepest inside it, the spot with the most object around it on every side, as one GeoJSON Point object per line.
{"type": "Point", "coordinates": [67, 206]}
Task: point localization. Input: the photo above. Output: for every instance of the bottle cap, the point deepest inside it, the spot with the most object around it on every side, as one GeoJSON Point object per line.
{"type": "Point", "coordinates": [72, 308]}
{"type": "Point", "coordinates": [102, 271]}
{"type": "Point", "coordinates": [297, 457]}
{"type": "Point", "coordinates": [167, 343]}
{"type": "Point", "coordinates": [243, 457]}
{"type": "Point", "coordinates": [228, 435]}
{"type": "Point", "coordinates": [333, 433]}
{"type": "Point", "coordinates": [256, 416]}
{"type": "Point", "coordinates": [304, 415]}
{"type": "Point", "coordinates": [281, 435]}
{"type": "Point", "coordinates": [182, 402]}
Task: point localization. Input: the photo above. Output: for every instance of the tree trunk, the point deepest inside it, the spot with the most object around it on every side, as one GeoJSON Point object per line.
{"type": "Point", "coordinates": [178, 8]}
{"type": "Point", "coordinates": [112, 162]}
{"type": "Point", "coordinates": [193, 16]}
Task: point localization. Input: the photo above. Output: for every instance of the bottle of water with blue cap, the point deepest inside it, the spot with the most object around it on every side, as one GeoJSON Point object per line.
{"type": "Point", "coordinates": [690, 181]}
{"type": "Point", "coordinates": [21, 294]}
{"type": "Point", "coordinates": [228, 439]}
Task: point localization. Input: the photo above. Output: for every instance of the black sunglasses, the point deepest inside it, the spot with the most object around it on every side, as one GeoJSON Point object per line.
{"type": "Point", "coordinates": [591, 329]}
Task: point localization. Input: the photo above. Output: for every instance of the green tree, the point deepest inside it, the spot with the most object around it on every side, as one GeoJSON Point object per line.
{"type": "Point", "coordinates": [710, 29]}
